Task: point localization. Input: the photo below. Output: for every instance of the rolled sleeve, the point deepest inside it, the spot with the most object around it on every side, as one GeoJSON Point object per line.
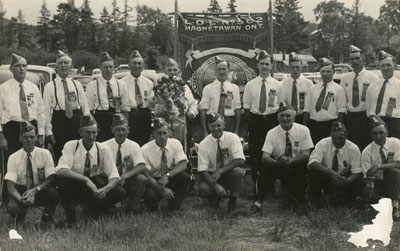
{"type": "Point", "coordinates": [109, 167]}
{"type": "Point", "coordinates": [83, 101]}
{"type": "Point", "coordinates": [356, 161]}
{"type": "Point", "coordinates": [137, 156]}
{"type": "Point", "coordinates": [237, 149]}
{"type": "Point", "coordinates": [341, 100]}
{"type": "Point", "coordinates": [124, 97]}
{"type": "Point", "coordinates": [191, 102]}
{"type": "Point", "coordinates": [11, 174]}
{"type": "Point", "coordinates": [205, 100]}
{"type": "Point", "coordinates": [366, 160]}
{"type": "Point", "coordinates": [67, 158]}
{"type": "Point", "coordinates": [268, 147]}
{"type": "Point", "coordinates": [306, 143]}
{"type": "Point", "coordinates": [203, 162]}
{"type": "Point", "coordinates": [247, 97]}
{"type": "Point", "coordinates": [91, 95]}
{"type": "Point", "coordinates": [317, 154]}
{"type": "Point", "coordinates": [49, 168]}
{"type": "Point", "coordinates": [396, 156]}
{"type": "Point", "coordinates": [236, 97]}
{"type": "Point", "coordinates": [307, 103]}
{"type": "Point", "coordinates": [179, 153]}
{"type": "Point", "coordinates": [48, 107]}
{"type": "Point", "coordinates": [41, 115]}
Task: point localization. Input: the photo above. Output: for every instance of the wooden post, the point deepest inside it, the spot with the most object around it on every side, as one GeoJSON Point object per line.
{"type": "Point", "coordinates": [271, 33]}
{"type": "Point", "coordinates": [176, 32]}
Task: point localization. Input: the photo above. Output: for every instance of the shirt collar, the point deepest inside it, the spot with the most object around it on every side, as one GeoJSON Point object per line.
{"type": "Point", "coordinates": [92, 150]}
{"type": "Point", "coordinates": [32, 153]}
{"type": "Point", "coordinates": [385, 146]}
{"type": "Point", "coordinates": [167, 146]}
{"type": "Point", "coordinates": [341, 150]}
{"type": "Point", "coordinates": [221, 139]}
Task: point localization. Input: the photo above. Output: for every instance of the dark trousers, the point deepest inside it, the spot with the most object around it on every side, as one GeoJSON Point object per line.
{"type": "Point", "coordinates": [140, 125]}
{"type": "Point", "coordinates": [319, 129]}
{"type": "Point", "coordinates": [258, 129]}
{"type": "Point", "coordinates": [393, 125]}
{"type": "Point", "coordinates": [178, 184]}
{"type": "Point", "coordinates": [293, 181]}
{"type": "Point", "coordinates": [104, 121]}
{"type": "Point", "coordinates": [299, 119]}
{"type": "Point", "coordinates": [64, 129]}
{"type": "Point", "coordinates": [390, 185]}
{"type": "Point", "coordinates": [73, 193]}
{"type": "Point", "coordinates": [230, 180]}
{"type": "Point", "coordinates": [357, 125]}
{"type": "Point", "coordinates": [135, 187]}
{"type": "Point", "coordinates": [47, 197]}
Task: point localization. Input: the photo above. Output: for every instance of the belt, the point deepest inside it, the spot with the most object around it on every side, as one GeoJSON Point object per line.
{"type": "Point", "coordinates": [357, 114]}
{"type": "Point", "coordinates": [109, 111]}
{"type": "Point", "coordinates": [265, 117]}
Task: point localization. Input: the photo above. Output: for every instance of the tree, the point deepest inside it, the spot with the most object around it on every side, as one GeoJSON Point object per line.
{"type": "Point", "coordinates": [231, 6]}
{"type": "Point", "coordinates": [12, 34]}
{"type": "Point", "coordinates": [2, 14]}
{"type": "Point", "coordinates": [23, 36]}
{"type": "Point", "coordinates": [44, 26]}
{"type": "Point", "coordinates": [390, 14]}
{"type": "Point", "coordinates": [214, 6]}
{"type": "Point", "coordinates": [104, 31]}
{"type": "Point", "coordinates": [87, 28]}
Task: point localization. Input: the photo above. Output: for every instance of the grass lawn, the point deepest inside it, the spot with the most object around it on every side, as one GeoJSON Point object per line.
{"type": "Point", "coordinates": [198, 227]}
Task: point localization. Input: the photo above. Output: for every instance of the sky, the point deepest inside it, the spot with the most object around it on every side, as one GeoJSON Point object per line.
{"type": "Point", "coordinates": [30, 8]}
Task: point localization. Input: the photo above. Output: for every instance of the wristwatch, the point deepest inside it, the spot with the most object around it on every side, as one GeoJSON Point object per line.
{"type": "Point", "coordinates": [38, 188]}
{"type": "Point", "coordinates": [168, 175]}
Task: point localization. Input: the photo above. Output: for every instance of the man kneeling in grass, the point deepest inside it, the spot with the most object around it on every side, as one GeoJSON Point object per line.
{"type": "Point", "coordinates": [30, 178]}
{"type": "Point", "coordinates": [220, 163]}
{"type": "Point", "coordinates": [166, 165]}
{"type": "Point", "coordinates": [87, 173]}
{"type": "Point", "coordinates": [130, 163]}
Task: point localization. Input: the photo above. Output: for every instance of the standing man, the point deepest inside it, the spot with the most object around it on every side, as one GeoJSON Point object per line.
{"type": "Point", "coordinates": [106, 96]}
{"type": "Point", "coordinates": [261, 99]}
{"type": "Point", "coordinates": [285, 155]}
{"type": "Point", "coordinates": [65, 102]}
{"type": "Point", "coordinates": [355, 84]}
{"type": "Point", "coordinates": [383, 97]}
{"type": "Point", "coordinates": [220, 163]}
{"type": "Point", "coordinates": [296, 87]}
{"type": "Point", "coordinates": [87, 173]}
{"type": "Point", "coordinates": [221, 97]}
{"type": "Point", "coordinates": [30, 178]}
{"type": "Point", "coordinates": [335, 167]}
{"type": "Point", "coordinates": [140, 98]}
{"type": "Point", "coordinates": [326, 103]}
{"type": "Point", "coordinates": [166, 164]}
{"type": "Point", "coordinates": [129, 161]}
{"type": "Point", "coordinates": [381, 163]}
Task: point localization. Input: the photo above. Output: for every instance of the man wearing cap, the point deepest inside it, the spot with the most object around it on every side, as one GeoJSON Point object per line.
{"type": "Point", "coordinates": [166, 165]}
{"type": "Point", "coordinates": [220, 163]}
{"type": "Point", "coordinates": [326, 103]}
{"type": "Point", "coordinates": [221, 97]}
{"type": "Point", "coordinates": [335, 167]}
{"type": "Point", "coordinates": [285, 155]}
{"type": "Point", "coordinates": [65, 102]}
{"type": "Point", "coordinates": [381, 163]}
{"type": "Point", "coordinates": [383, 97]}
{"type": "Point", "coordinates": [30, 178]}
{"type": "Point", "coordinates": [261, 99]}
{"type": "Point", "coordinates": [87, 173]}
{"type": "Point", "coordinates": [130, 163]}
{"type": "Point", "coordinates": [355, 84]}
{"type": "Point", "coordinates": [106, 95]}
{"type": "Point", "coordinates": [140, 100]}
{"type": "Point", "coordinates": [296, 86]}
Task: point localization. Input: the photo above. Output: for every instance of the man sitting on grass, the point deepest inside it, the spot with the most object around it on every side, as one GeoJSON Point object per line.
{"type": "Point", "coordinates": [87, 173]}
{"type": "Point", "coordinates": [166, 165]}
{"type": "Point", "coordinates": [220, 162]}
{"type": "Point", "coordinates": [381, 163]}
{"type": "Point", "coordinates": [30, 177]}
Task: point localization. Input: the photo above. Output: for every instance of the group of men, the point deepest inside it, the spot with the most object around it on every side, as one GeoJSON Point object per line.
{"type": "Point", "coordinates": [297, 134]}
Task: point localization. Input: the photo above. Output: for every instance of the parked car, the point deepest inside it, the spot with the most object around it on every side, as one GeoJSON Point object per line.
{"type": "Point", "coordinates": [6, 74]}
{"type": "Point", "coordinates": [343, 68]}
{"type": "Point", "coordinates": [52, 65]}
{"type": "Point", "coordinates": [122, 68]}
{"type": "Point", "coordinates": [96, 73]}
{"type": "Point", "coordinates": [84, 80]}
{"type": "Point", "coordinates": [150, 74]}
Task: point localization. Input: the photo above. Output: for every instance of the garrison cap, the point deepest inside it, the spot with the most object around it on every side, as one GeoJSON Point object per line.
{"type": "Point", "coordinates": [26, 126]}
{"type": "Point", "coordinates": [16, 59]}
{"type": "Point", "coordinates": [104, 56]}
{"type": "Point", "coordinates": [119, 119]}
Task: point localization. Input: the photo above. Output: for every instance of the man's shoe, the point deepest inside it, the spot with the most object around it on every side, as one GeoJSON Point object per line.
{"type": "Point", "coordinates": [396, 214]}
{"type": "Point", "coordinates": [231, 204]}
{"type": "Point", "coordinates": [255, 208]}
{"type": "Point", "coordinates": [48, 219]}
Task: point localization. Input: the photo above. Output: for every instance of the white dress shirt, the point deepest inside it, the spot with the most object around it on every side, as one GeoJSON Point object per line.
{"type": "Point", "coordinates": [10, 109]}
{"type": "Point", "coordinates": [303, 84]}
{"type": "Point", "coordinates": [96, 94]}
{"type": "Point", "coordinates": [207, 151]}
{"type": "Point", "coordinates": [42, 162]}
{"type": "Point", "coordinates": [392, 91]}
{"type": "Point", "coordinates": [74, 157]}
{"type": "Point", "coordinates": [152, 154]}
{"type": "Point", "coordinates": [130, 151]}
{"type": "Point", "coordinates": [146, 90]}
{"type": "Point", "coordinates": [325, 151]}
{"type": "Point", "coordinates": [275, 141]}
{"type": "Point", "coordinates": [338, 102]}
{"type": "Point", "coordinates": [212, 93]}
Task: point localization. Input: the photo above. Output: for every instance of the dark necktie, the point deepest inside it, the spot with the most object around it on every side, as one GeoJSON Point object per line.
{"type": "Point", "coordinates": [68, 106]}
{"type": "Point", "coordinates": [221, 105]}
{"type": "Point", "coordinates": [382, 154]}
{"type": "Point", "coordinates": [380, 98]}
{"type": "Point", "coordinates": [29, 172]}
{"type": "Point", "coordinates": [86, 171]}
{"type": "Point", "coordinates": [356, 95]}
{"type": "Point", "coordinates": [335, 161]}
{"type": "Point", "coordinates": [164, 162]}
{"type": "Point", "coordinates": [321, 98]}
{"type": "Point", "coordinates": [139, 99]}
{"type": "Point", "coordinates": [119, 160]}
{"type": "Point", "coordinates": [23, 104]}
{"type": "Point", "coordinates": [263, 97]}
{"type": "Point", "coordinates": [219, 156]}
{"type": "Point", "coordinates": [288, 146]}
{"type": "Point", "coordinates": [110, 95]}
{"type": "Point", "coordinates": [294, 95]}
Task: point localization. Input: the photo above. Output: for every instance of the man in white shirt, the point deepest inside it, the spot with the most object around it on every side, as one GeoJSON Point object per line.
{"type": "Point", "coordinates": [335, 168]}
{"type": "Point", "coordinates": [130, 163]}
{"type": "Point", "coordinates": [30, 178]}
{"type": "Point", "coordinates": [166, 166]}
{"type": "Point", "coordinates": [355, 84]}
{"type": "Point", "coordinates": [383, 97]}
{"type": "Point", "coordinates": [140, 99]}
{"type": "Point", "coordinates": [220, 162]}
{"type": "Point", "coordinates": [221, 97]}
{"type": "Point", "coordinates": [106, 96]}
{"type": "Point", "coordinates": [87, 173]}
{"type": "Point", "coordinates": [326, 103]}
{"type": "Point", "coordinates": [285, 155]}
{"type": "Point", "coordinates": [381, 163]}
{"type": "Point", "coordinates": [65, 103]}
